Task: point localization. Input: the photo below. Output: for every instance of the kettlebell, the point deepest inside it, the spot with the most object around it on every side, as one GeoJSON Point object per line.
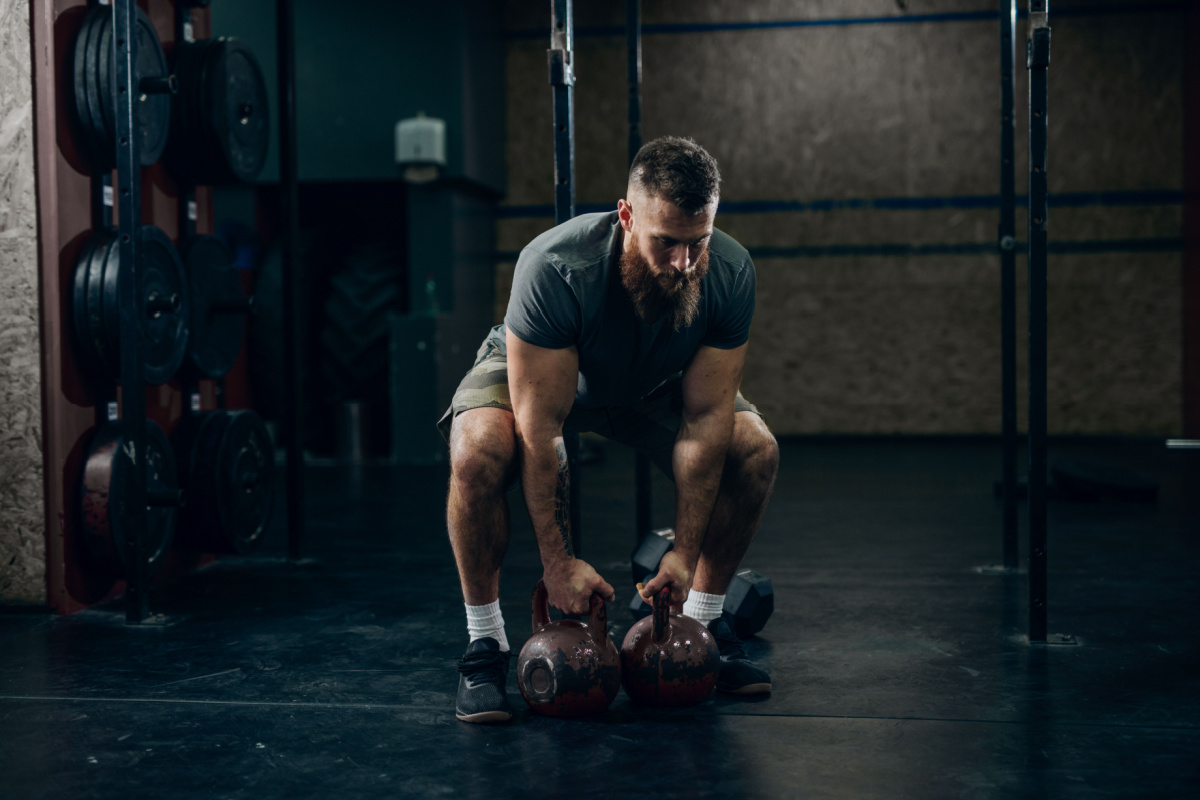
{"type": "Point", "coordinates": [668, 659]}
{"type": "Point", "coordinates": [568, 668]}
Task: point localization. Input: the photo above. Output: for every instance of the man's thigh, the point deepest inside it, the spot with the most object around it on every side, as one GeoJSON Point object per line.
{"type": "Point", "coordinates": [484, 386]}
{"type": "Point", "coordinates": [651, 425]}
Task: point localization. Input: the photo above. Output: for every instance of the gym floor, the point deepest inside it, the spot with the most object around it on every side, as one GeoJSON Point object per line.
{"type": "Point", "coordinates": [899, 669]}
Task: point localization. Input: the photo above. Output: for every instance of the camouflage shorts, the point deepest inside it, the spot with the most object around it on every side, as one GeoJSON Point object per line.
{"type": "Point", "coordinates": [649, 425]}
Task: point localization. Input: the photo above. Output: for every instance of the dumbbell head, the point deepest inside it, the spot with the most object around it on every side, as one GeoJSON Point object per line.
{"type": "Point", "coordinates": [749, 600]}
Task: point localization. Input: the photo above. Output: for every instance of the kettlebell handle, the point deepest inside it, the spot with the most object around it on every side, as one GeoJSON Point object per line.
{"type": "Point", "coordinates": [597, 612]}
{"type": "Point", "coordinates": [662, 615]}
{"type": "Point", "coordinates": [598, 619]}
{"type": "Point", "coordinates": [541, 605]}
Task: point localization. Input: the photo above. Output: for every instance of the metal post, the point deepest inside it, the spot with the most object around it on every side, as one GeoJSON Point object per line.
{"type": "Point", "coordinates": [293, 417]}
{"type": "Point", "coordinates": [562, 79]}
{"type": "Point", "coordinates": [133, 395]}
{"type": "Point", "coordinates": [633, 39]}
{"type": "Point", "coordinates": [1038, 62]}
{"type": "Point", "coordinates": [633, 72]}
{"type": "Point", "coordinates": [1008, 278]}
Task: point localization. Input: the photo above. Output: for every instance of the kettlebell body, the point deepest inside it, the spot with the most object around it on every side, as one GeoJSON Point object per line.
{"type": "Point", "coordinates": [568, 668]}
{"type": "Point", "coordinates": [668, 659]}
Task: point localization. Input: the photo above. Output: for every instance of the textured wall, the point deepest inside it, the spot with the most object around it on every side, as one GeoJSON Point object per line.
{"type": "Point", "coordinates": [22, 523]}
{"type": "Point", "coordinates": [878, 296]}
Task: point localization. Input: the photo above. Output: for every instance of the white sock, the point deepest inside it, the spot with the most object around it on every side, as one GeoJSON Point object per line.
{"type": "Point", "coordinates": [703, 608]}
{"type": "Point", "coordinates": [487, 621]}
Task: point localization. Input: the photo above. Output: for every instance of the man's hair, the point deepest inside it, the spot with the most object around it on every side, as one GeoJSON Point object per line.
{"type": "Point", "coordinates": [678, 170]}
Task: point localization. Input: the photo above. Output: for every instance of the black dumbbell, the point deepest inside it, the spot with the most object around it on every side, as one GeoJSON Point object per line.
{"type": "Point", "coordinates": [750, 599]}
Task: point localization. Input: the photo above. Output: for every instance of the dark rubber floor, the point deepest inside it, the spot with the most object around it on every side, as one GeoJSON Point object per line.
{"type": "Point", "coordinates": [899, 669]}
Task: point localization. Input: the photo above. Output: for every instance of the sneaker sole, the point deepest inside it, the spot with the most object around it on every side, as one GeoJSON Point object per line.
{"type": "Point", "coordinates": [485, 716]}
{"type": "Point", "coordinates": [750, 688]}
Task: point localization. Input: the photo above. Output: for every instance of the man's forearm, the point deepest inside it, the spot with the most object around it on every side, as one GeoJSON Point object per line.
{"type": "Point", "coordinates": [697, 461]}
{"type": "Point", "coordinates": [546, 482]}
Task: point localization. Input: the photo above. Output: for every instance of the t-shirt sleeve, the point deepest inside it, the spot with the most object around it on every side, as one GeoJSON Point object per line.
{"type": "Point", "coordinates": [542, 309]}
{"type": "Point", "coordinates": [730, 326]}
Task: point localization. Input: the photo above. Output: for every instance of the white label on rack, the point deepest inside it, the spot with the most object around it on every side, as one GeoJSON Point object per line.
{"type": "Point", "coordinates": [108, 196]}
{"type": "Point", "coordinates": [196, 402]}
{"type": "Point", "coordinates": [189, 33]}
{"type": "Point", "coordinates": [192, 210]}
{"type": "Point", "coordinates": [112, 411]}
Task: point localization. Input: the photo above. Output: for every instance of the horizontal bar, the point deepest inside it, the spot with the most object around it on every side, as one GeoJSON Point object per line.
{"type": "Point", "coordinates": [902, 249]}
{"type": "Point", "coordinates": [959, 16]}
{"type": "Point", "coordinates": [1183, 444]}
{"type": "Point", "coordinates": [1162, 197]}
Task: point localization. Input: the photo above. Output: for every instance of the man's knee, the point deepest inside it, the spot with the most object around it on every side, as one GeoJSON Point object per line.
{"type": "Point", "coordinates": [482, 450]}
{"type": "Point", "coordinates": [753, 451]}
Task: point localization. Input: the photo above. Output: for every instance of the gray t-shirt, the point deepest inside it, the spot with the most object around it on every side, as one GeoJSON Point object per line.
{"type": "Point", "coordinates": [567, 291]}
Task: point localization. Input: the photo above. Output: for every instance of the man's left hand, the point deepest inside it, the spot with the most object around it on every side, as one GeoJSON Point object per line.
{"type": "Point", "coordinates": [675, 571]}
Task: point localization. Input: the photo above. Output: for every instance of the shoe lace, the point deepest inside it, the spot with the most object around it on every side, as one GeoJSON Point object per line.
{"type": "Point", "coordinates": [488, 665]}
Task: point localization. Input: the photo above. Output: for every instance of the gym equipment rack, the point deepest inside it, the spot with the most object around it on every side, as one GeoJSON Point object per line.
{"type": "Point", "coordinates": [293, 417]}
{"type": "Point", "coordinates": [133, 401]}
{"type": "Point", "coordinates": [1007, 244]}
{"type": "Point", "coordinates": [1038, 62]}
{"type": "Point", "coordinates": [633, 39]}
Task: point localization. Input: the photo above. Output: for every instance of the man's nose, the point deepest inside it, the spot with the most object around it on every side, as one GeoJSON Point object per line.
{"type": "Point", "coordinates": [679, 258]}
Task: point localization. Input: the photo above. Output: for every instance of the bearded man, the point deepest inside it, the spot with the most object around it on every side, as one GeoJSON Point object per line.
{"type": "Point", "coordinates": [632, 324]}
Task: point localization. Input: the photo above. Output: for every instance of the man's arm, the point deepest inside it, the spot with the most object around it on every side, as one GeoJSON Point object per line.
{"type": "Point", "coordinates": [710, 386]}
{"type": "Point", "coordinates": [541, 384]}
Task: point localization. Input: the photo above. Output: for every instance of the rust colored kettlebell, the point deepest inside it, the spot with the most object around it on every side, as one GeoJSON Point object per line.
{"type": "Point", "coordinates": [568, 668]}
{"type": "Point", "coordinates": [668, 659]}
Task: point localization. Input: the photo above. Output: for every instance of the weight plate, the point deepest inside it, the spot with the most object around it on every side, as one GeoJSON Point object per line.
{"type": "Point", "coordinates": [246, 484]}
{"type": "Point", "coordinates": [105, 80]}
{"type": "Point", "coordinates": [108, 306]}
{"type": "Point", "coordinates": [221, 124]}
{"type": "Point", "coordinates": [79, 316]}
{"type": "Point", "coordinates": [105, 155]}
{"type": "Point", "coordinates": [228, 464]}
{"type": "Point", "coordinates": [163, 331]}
{"type": "Point", "coordinates": [216, 326]}
{"type": "Point", "coordinates": [152, 112]}
{"type": "Point", "coordinates": [81, 75]}
{"type": "Point", "coordinates": [238, 103]}
{"type": "Point", "coordinates": [99, 357]}
{"type": "Point", "coordinates": [102, 498]}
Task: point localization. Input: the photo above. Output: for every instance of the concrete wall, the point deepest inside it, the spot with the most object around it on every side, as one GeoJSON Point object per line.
{"type": "Point", "coordinates": [22, 523]}
{"type": "Point", "coordinates": [861, 167]}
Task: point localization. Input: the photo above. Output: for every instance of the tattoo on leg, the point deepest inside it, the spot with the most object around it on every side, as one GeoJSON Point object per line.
{"type": "Point", "coordinates": [562, 497]}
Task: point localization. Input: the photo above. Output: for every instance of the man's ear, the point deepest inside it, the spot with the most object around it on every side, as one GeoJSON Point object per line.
{"type": "Point", "coordinates": [625, 214]}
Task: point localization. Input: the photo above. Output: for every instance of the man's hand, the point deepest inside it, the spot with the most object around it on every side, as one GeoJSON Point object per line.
{"type": "Point", "coordinates": [571, 586]}
{"type": "Point", "coordinates": [674, 571]}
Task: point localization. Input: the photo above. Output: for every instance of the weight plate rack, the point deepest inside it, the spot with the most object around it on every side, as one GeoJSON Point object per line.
{"type": "Point", "coordinates": [128, 300]}
{"type": "Point", "coordinates": [220, 132]}
{"type": "Point", "coordinates": [143, 312]}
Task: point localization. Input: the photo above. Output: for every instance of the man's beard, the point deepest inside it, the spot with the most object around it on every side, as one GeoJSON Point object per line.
{"type": "Point", "coordinates": [678, 301]}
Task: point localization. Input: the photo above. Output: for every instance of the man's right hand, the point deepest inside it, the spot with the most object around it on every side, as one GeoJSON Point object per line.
{"type": "Point", "coordinates": [571, 585]}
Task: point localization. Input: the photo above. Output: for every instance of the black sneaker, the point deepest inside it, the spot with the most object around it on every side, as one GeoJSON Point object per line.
{"type": "Point", "coordinates": [483, 672]}
{"type": "Point", "coordinates": [738, 674]}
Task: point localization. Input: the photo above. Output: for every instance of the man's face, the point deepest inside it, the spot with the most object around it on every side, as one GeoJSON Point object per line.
{"type": "Point", "coordinates": [665, 257]}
